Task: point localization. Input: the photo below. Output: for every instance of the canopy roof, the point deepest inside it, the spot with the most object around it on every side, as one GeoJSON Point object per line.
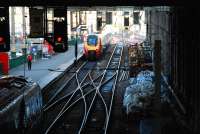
{"type": "Point", "coordinates": [91, 2]}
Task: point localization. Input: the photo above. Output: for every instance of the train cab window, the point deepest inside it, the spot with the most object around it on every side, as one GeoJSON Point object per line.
{"type": "Point", "coordinates": [92, 40]}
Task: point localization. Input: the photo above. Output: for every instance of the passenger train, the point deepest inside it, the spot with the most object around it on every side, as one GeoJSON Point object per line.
{"type": "Point", "coordinates": [95, 45]}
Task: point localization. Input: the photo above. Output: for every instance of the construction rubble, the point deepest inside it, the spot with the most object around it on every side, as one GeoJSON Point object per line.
{"type": "Point", "coordinates": [139, 94]}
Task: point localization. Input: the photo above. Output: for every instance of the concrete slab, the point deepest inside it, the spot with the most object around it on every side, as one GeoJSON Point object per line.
{"type": "Point", "coordinates": [45, 70]}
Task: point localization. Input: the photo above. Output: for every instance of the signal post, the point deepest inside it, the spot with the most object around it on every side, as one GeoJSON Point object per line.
{"type": "Point", "coordinates": [4, 40]}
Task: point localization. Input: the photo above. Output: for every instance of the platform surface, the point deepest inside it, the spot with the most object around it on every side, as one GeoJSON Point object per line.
{"type": "Point", "coordinates": [46, 69]}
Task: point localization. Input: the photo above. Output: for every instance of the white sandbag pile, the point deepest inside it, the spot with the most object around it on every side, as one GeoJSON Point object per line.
{"type": "Point", "coordinates": [139, 93]}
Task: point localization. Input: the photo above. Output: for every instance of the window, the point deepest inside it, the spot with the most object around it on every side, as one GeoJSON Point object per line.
{"type": "Point", "coordinates": [126, 21]}
{"type": "Point", "coordinates": [126, 18]}
{"type": "Point", "coordinates": [36, 22]}
{"type": "Point", "coordinates": [92, 40]}
{"type": "Point", "coordinates": [83, 17]}
{"type": "Point", "coordinates": [108, 17]}
{"type": "Point", "coordinates": [136, 17]}
{"type": "Point", "coordinates": [50, 26]}
{"type": "Point", "coordinates": [99, 20]}
{"type": "Point", "coordinates": [50, 14]}
{"type": "Point", "coordinates": [99, 23]}
{"type": "Point", "coordinates": [126, 14]}
{"type": "Point", "coordinates": [75, 19]}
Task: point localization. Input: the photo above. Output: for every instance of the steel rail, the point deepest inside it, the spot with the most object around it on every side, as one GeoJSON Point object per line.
{"type": "Point", "coordinates": [80, 88]}
{"type": "Point", "coordinates": [76, 101]}
{"type": "Point", "coordinates": [113, 92]}
{"type": "Point", "coordinates": [98, 93]}
{"type": "Point", "coordinates": [65, 105]}
{"type": "Point", "coordinates": [95, 87]}
{"type": "Point", "coordinates": [83, 97]}
{"type": "Point", "coordinates": [86, 94]}
{"type": "Point", "coordinates": [64, 97]}
{"type": "Point", "coordinates": [122, 76]}
{"type": "Point", "coordinates": [63, 86]}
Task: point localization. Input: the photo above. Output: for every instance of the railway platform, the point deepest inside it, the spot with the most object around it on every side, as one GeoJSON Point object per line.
{"type": "Point", "coordinates": [45, 70]}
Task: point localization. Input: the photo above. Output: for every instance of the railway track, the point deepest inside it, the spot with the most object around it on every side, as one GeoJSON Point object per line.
{"type": "Point", "coordinates": [87, 108]}
{"type": "Point", "coordinates": [79, 72]}
{"type": "Point", "coordinates": [99, 111]}
{"type": "Point", "coordinates": [68, 89]}
{"type": "Point", "coordinates": [55, 87]}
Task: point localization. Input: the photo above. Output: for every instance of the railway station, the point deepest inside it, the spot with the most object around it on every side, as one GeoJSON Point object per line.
{"type": "Point", "coordinates": [75, 67]}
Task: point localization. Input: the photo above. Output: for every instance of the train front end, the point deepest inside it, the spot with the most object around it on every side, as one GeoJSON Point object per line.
{"type": "Point", "coordinates": [93, 47]}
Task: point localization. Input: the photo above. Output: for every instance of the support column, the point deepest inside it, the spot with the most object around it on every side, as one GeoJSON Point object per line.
{"type": "Point", "coordinates": [157, 68]}
{"type": "Point", "coordinates": [24, 25]}
{"type": "Point", "coordinates": [24, 50]}
{"type": "Point", "coordinates": [67, 25]}
{"type": "Point", "coordinates": [76, 44]}
{"type": "Point", "coordinates": [12, 32]}
{"type": "Point", "coordinates": [157, 71]}
{"type": "Point", "coordinates": [45, 23]}
{"type": "Point", "coordinates": [154, 124]}
{"type": "Point", "coordinates": [12, 28]}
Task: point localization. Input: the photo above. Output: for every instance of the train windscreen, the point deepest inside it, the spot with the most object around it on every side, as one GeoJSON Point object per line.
{"type": "Point", "coordinates": [92, 40]}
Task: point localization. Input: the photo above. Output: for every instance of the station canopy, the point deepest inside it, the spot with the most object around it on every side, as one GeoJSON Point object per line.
{"type": "Point", "coordinates": [90, 2]}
